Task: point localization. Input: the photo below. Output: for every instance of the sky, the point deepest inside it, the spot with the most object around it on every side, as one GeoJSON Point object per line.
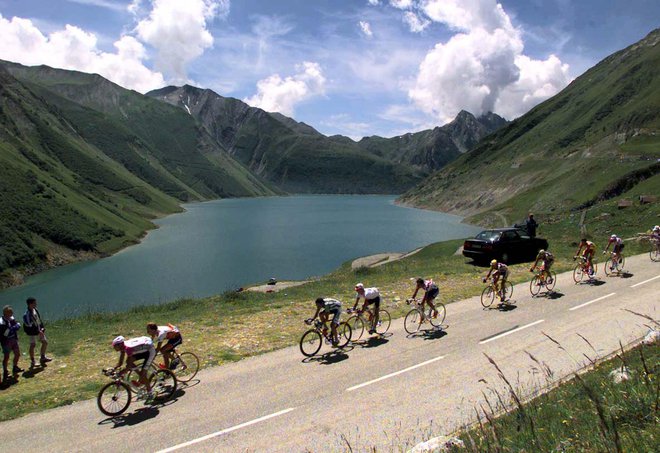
{"type": "Point", "coordinates": [351, 67]}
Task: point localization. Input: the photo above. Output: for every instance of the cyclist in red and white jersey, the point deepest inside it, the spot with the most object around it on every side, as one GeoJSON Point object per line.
{"type": "Point", "coordinates": [588, 254]}
{"type": "Point", "coordinates": [499, 271]}
{"type": "Point", "coordinates": [139, 348]}
{"type": "Point", "coordinates": [616, 250]}
{"type": "Point", "coordinates": [431, 291]}
{"type": "Point", "coordinates": [161, 333]}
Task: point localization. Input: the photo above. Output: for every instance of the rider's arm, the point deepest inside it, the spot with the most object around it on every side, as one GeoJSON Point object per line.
{"type": "Point", "coordinates": [357, 299]}
{"type": "Point", "coordinates": [318, 309]}
{"type": "Point", "coordinates": [160, 343]}
{"type": "Point", "coordinates": [121, 359]}
{"type": "Point", "coordinates": [415, 293]}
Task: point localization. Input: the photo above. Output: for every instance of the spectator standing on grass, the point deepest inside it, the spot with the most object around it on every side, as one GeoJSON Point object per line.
{"type": "Point", "coordinates": [33, 326]}
{"type": "Point", "coordinates": [9, 328]}
{"type": "Point", "coordinates": [531, 225]}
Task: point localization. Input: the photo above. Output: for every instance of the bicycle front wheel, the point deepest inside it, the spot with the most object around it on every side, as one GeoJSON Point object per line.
{"type": "Point", "coordinates": [163, 384]}
{"type": "Point", "coordinates": [310, 343]}
{"type": "Point", "coordinates": [535, 285]}
{"type": "Point", "coordinates": [487, 296]}
{"type": "Point", "coordinates": [609, 269]}
{"type": "Point", "coordinates": [187, 367]}
{"type": "Point", "coordinates": [440, 317]}
{"type": "Point", "coordinates": [578, 273]}
{"type": "Point", "coordinates": [412, 321]}
{"type": "Point", "coordinates": [384, 321]}
{"type": "Point", "coordinates": [114, 398]}
{"type": "Point", "coordinates": [550, 281]}
{"type": "Point", "coordinates": [357, 327]}
{"type": "Point", "coordinates": [344, 334]}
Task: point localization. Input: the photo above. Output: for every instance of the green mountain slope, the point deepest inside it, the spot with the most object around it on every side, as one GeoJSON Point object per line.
{"type": "Point", "coordinates": [596, 139]}
{"type": "Point", "coordinates": [291, 155]}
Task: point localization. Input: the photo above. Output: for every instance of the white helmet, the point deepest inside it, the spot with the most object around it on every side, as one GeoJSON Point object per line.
{"type": "Point", "coordinates": [118, 340]}
{"type": "Point", "coordinates": [613, 236]}
{"type": "Point", "coordinates": [656, 228]}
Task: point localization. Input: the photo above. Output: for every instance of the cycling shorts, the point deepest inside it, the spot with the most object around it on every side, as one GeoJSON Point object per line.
{"type": "Point", "coordinates": [176, 341]}
{"type": "Point", "coordinates": [375, 300]}
{"type": "Point", "coordinates": [618, 248]}
{"type": "Point", "coordinates": [335, 312]}
{"type": "Point", "coordinates": [432, 293]}
{"type": "Point", "coordinates": [147, 358]}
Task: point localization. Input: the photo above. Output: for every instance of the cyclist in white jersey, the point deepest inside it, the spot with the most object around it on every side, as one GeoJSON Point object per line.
{"type": "Point", "coordinates": [161, 333]}
{"type": "Point", "coordinates": [371, 296]}
{"type": "Point", "coordinates": [133, 349]}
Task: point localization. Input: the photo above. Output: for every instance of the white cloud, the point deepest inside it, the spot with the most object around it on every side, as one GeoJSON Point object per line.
{"type": "Point", "coordinates": [76, 49]}
{"type": "Point", "coordinates": [483, 68]}
{"type": "Point", "coordinates": [366, 28]}
{"type": "Point", "coordinates": [374, 2]}
{"type": "Point", "coordinates": [113, 6]}
{"type": "Point", "coordinates": [415, 23]}
{"type": "Point", "coordinates": [275, 94]}
{"type": "Point", "coordinates": [401, 4]}
{"type": "Point", "coordinates": [178, 31]}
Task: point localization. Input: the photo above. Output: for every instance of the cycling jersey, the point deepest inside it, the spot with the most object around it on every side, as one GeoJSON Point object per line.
{"type": "Point", "coordinates": [502, 269]}
{"type": "Point", "coordinates": [138, 345]}
{"type": "Point", "coordinates": [431, 289]}
{"type": "Point", "coordinates": [371, 293]}
{"type": "Point", "coordinates": [167, 332]}
{"type": "Point", "coordinates": [330, 304]}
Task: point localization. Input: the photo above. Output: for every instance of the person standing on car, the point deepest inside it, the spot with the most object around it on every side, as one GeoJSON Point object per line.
{"type": "Point", "coordinates": [531, 225]}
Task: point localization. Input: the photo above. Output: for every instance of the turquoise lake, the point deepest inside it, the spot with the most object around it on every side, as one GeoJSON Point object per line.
{"type": "Point", "coordinates": [226, 244]}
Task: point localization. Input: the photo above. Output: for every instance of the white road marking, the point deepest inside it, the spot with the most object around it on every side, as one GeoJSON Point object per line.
{"type": "Point", "coordinates": [591, 302]}
{"type": "Point", "coordinates": [512, 331]}
{"type": "Point", "coordinates": [364, 384]}
{"type": "Point", "coordinates": [225, 431]}
{"type": "Point", "coordinates": [645, 281]}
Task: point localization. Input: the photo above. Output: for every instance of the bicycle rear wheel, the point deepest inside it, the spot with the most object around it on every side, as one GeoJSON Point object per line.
{"type": "Point", "coordinates": [535, 285]}
{"type": "Point", "coordinates": [578, 273]}
{"type": "Point", "coordinates": [384, 321]}
{"type": "Point", "coordinates": [622, 262]}
{"type": "Point", "coordinates": [551, 281]}
{"type": "Point", "coordinates": [487, 296]}
{"type": "Point", "coordinates": [507, 291]}
{"type": "Point", "coordinates": [357, 327]}
{"type": "Point", "coordinates": [310, 343]}
{"type": "Point", "coordinates": [187, 367]}
{"type": "Point", "coordinates": [114, 398]}
{"type": "Point", "coordinates": [654, 254]}
{"type": "Point", "coordinates": [163, 384]}
{"type": "Point", "coordinates": [442, 312]}
{"type": "Point", "coordinates": [412, 321]}
{"type": "Point", "coordinates": [344, 334]}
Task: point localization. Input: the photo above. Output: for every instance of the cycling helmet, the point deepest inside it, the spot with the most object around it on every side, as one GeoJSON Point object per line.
{"type": "Point", "coordinates": [420, 281]}
{"type": "Point", "coordinates": [613, 236]}
{"type": "Point", "coordinates": [359, 286]}
{"type": "Point", "coordinates": [493, 263]}
{"type": "Point", "coordinates": [541, 251]}
{"type": "Point", "coordinates": [118, 340]}
{"type": "Point", "coordinates": [656, 228]}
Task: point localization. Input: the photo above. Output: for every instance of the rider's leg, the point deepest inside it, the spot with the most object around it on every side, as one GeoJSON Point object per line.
{"type": "Point", "coordinates": [167, 354]}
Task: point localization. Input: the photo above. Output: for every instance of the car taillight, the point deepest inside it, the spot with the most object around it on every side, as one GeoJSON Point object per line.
{"type": "Point", "coordinates": [466, 245]}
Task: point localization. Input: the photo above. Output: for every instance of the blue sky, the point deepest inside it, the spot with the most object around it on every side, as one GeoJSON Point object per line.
{"type": "Point", "coordinates": [350, 67]}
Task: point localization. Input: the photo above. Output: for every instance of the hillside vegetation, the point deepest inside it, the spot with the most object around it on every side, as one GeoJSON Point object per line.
{"type": "Point", "coordinates": [595, 140]}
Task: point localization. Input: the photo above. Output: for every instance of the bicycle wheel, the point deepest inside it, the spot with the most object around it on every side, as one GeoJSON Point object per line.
{"type": "Point", "coordinates": [357, 327]}
{"type": "Point", "coordinates": [654, 254]}
{"type": "Point", "coordinates": [384, 321]}
{"type": "Point", "coordinates": [187, 367]}
{"type": "Point", "coordinates": [344, 334]}
{"type": "Point", "coordinates": [487, 296]}
{"type": "Point", "coordinates": [535, 285]}
{"type": "Point", "coordinates": [442, 312]}
{"type": "Point", "coordinates": [114, 398]}
{"type": "Point", "coordinates": [609, 269]}
{"type": "Point", "coordinates": [622, 262]}
{"type": "Point", "coordinates": [507, 291]}
{"type": "Point", "coordinates": [551, 282]}
{"type": "Point", "coordinates": [578, 273]}
{"type": "Point", "coordinates": [163, 384]}
{"type": "Point", "coordinates": [310, 343]}
{"type": "Point", "coordinates": [412, 321]}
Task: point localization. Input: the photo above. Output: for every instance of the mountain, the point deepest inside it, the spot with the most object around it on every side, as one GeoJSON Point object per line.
{"type": "Point", "coordinates": [597, 138]}
{"type": "Point", "coordinates": [433, 149]}
{"type": "Point", "coordinates": [85, 165]}
{"type": "Point", "coordinates": [291, 155]}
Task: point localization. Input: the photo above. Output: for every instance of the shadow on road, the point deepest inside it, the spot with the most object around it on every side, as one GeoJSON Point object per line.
{"type": "Point", "coordinates": [334, 356]}
{"type": "Point", "coordinates": [626, 274]}
{"type": "Point", "coordinates": [504, 306]}
{"type": "Point", "coordinates": [139, 416]}
{"type": "Point", "coordinates": [592, 282]}
{"type": "Point", "coordinates": [434, 334]}
{"type": "Point", "coordinates": [374, 342]}
{"type": "Point", "coordinates": [552, 295]}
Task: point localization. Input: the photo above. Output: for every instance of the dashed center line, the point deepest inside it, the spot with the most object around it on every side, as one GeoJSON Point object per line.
{"type": "Point", "coordinates": [591, 302]}
{"type": "Point", "coordinates": [387, 376]}
{"type": "Point", "coordinates": [645, 281]}
{"type": "Point", "coordinates": [225, 431]}
{"type": "Point", "coordinates": [511, 331]}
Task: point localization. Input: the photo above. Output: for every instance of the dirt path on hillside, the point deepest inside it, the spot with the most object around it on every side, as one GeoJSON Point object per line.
{"type": "Point", "coordinates": [380, 259]}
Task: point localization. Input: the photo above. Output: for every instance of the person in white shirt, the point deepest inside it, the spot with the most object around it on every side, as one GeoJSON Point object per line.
{"type": "Point", "coordinates": [371, 296]}
{"type": "Point", "coordinates": [161, 333]}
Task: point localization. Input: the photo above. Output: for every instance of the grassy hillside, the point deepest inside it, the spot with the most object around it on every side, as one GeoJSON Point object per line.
{"type": "Point", "coordinates": [596, 139]}
{"type": "Point", "coordinates": [291, 155]}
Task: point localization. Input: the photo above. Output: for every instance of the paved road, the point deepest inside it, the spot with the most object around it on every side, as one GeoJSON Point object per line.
{"type": "Point", "coordinates": [382, 393]}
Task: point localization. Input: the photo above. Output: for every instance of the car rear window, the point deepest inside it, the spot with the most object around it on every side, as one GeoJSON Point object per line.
{"type": "Point", "coordinates": [488, 235]}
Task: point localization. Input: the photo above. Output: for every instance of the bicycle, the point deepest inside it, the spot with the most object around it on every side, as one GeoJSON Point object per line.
{"type": "Point", "coordinates": [115, 397]}
{"type": "Point", "coordinates": [542, 279]}
{"type": "Point", "coordinates": [614, 266]}
{"type": "Point", "coordinates": [582, 268]}
{"type": "Point", "coordinates": [416, 316]}
{"type": "Point", "coordinates": [488, 294]}
{"type": "Point", "coordinates": [312, 340]}
{"type": "Point", "coordinates": [358, 322]}
{"type": "Point", "coordinates": [184, 365]}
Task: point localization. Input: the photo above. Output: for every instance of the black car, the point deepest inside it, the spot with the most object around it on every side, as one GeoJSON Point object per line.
{"type": "Point", "coordinates": [504, 244]}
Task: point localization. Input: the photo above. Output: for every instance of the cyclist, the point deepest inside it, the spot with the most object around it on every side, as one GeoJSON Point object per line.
{"type": "Point", "coordinates": [371, 296]}
{"type": "Point", "coordinates": [326, 306]}
{"type": "Point", "coordinates": [499, 271]}
{"type": "Point", "coordinates": [139, 348]}
{"type": "Point", "coordinates": [161, 333]}
{"type": "Point", "coordinates": [655, 234]}
{"type": "Point", "coordinates": [546, 258]}
{"type": "Point", "coordinates": [431, 291]}
{"type": "Point", "coordinates": [616, 250]}
{"type": "Point", "coordinates": [588, 254]}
